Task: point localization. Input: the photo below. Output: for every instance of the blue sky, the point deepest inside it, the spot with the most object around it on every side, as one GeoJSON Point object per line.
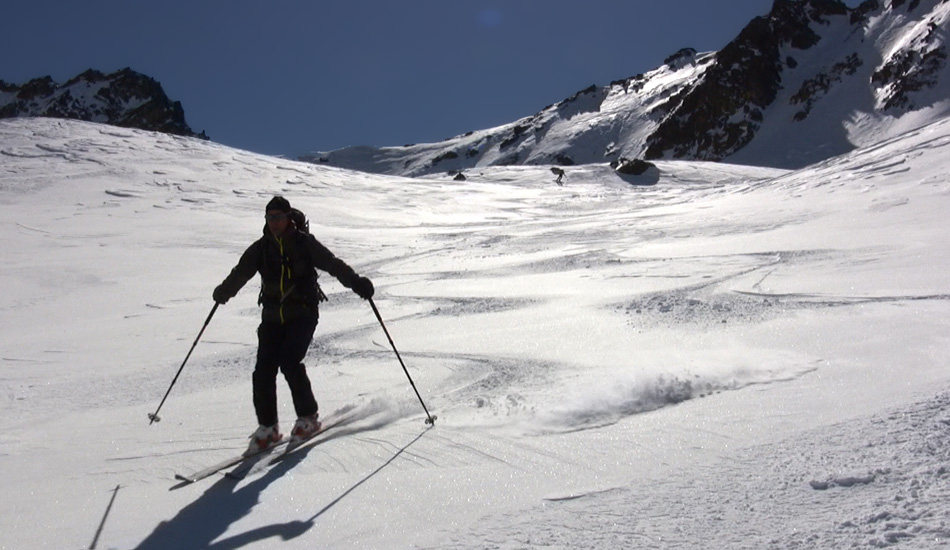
{"type": "Point", "coordinates": [289, 77]}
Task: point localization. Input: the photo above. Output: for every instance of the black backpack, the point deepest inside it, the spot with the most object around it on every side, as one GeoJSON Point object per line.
{"type": "Point", "coordinates": [299, 219]}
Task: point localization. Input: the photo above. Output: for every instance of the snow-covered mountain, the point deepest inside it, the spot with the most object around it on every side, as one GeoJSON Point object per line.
{"type": "Point", "coordinates": [810, 80]}
{"type": "Point", "coordinates": [124, 98]}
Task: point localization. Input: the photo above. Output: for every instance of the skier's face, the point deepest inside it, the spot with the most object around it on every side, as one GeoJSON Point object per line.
{"type": "Point", "coordinates": [277, 222]}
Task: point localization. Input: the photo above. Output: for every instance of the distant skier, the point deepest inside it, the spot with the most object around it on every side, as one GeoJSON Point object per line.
{"type": "Point", "coordinates": [559, 172]}
{"type": "Point", "coordinates": [287, 257]}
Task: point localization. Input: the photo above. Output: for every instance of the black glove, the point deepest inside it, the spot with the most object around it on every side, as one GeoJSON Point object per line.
{"type": "Point", "coordinates": [220, 296]}
{"type": "Point", "coordinates": [363, 287]}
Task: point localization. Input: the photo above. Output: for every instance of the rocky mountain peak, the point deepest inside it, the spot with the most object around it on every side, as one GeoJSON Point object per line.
{"type": "Point", "coordinates": [786, 92]}
{"type": "Point", "coordinates": [123, 98]}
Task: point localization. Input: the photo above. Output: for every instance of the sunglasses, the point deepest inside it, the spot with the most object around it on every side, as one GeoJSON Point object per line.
{"type": "Point", "coordinates": [275, 217]}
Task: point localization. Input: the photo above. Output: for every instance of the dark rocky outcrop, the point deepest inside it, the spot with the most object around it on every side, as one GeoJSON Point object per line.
{"type": "Point", "coordinates": [721, 114]}
{"type": "Point", "coordinates": [124, 98]}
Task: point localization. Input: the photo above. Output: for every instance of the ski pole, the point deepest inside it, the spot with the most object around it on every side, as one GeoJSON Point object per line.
{"type": "Point", "coordinates": [153, 417]}
{"type": "Point", "coordinates": [430, 419]}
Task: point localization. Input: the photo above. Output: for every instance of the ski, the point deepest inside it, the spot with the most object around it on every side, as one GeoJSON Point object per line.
{"type": "Point", "coordinates": [233, 461]}
{"type": "Point", "coordinates": [250, 468]}
{"type": "Point", "coordinates": [254, 462]}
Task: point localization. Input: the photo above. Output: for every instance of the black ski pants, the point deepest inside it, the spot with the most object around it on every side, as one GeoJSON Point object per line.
{"type": "Point", "coordinates": [283, 347]}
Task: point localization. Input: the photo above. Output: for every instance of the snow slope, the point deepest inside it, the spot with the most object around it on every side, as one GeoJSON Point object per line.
{"type": "Point", "coordinates": [705, 356]}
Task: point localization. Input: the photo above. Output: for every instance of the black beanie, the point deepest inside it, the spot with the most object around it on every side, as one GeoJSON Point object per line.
{"type": "Point", "coordinates": [278, 203]}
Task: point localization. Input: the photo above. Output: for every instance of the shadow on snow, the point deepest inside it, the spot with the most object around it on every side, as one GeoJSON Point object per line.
{"type": "Point", "coordinates": [222, 505]}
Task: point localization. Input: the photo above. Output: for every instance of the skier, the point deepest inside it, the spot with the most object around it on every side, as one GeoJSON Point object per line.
{"type": "Point", "coordinates": [287, 257]}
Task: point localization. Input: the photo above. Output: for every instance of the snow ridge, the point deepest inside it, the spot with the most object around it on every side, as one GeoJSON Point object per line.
{"type": "Point", "coordinates": [786, 93]}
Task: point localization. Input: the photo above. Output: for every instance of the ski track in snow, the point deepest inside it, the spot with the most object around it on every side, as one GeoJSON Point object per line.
{"type": "Point", "coordinates": [818, 490]}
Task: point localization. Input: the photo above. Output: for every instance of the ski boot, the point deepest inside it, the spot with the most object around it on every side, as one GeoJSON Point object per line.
{"type": "Point", "coordinates": [305, 428]}
{"type": "Point", "coordinates": [263, 438]}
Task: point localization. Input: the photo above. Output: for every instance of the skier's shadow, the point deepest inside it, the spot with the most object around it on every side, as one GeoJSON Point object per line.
{"type": "Point", "coordinates": [207, 518]}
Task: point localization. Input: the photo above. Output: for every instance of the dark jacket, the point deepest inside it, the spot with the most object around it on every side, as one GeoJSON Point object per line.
{"type": "Point", "coordinates": [289, 288]}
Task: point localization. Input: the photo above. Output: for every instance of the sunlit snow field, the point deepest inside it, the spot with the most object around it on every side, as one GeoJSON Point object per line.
{"type": "Point", "coordinates": [704, 356]}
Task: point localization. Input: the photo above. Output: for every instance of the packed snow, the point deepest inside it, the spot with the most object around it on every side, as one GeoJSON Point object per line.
{"type": "Point", "coordinates": [704, 356]}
